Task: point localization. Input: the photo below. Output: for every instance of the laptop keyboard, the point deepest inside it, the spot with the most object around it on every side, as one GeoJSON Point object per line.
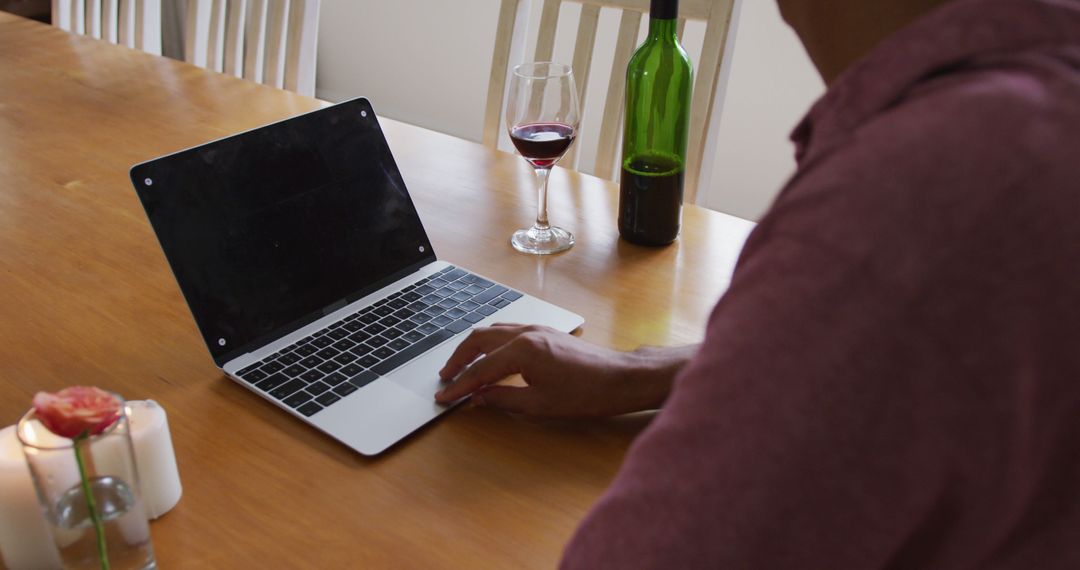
{"type": "Point", "coordinates": [317, 371]}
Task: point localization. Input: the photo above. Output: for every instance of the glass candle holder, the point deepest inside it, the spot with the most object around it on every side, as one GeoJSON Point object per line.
{"type": "Point", "coordinates": [108, 463]}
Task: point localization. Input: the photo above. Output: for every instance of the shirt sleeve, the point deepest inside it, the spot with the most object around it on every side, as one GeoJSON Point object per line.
{"type": "Point", "coordinates": [798, 437]}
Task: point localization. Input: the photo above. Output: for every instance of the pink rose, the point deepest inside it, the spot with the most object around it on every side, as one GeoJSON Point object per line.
{"type": "Point", "coordinates": [77, 411]}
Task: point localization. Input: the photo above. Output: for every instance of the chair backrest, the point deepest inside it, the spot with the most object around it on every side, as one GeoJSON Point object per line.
{"type": "Point", "coordinates": [133, 23]}
{"type": "Point", "coordinates": [267, 41]}
{"type": "Point", "coordinates": [717, 17]}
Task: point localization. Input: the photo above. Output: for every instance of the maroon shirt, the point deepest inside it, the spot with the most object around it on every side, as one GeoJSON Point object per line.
{"type": "Point", "coordinates": [893, 379]}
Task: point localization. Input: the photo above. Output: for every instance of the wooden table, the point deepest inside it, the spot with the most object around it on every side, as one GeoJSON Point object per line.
{"type": "Point", "coordinates": [87, 298]}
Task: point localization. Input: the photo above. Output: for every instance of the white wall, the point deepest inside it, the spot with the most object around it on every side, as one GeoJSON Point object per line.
{"type": "Point", "coordinates": [427, 62]}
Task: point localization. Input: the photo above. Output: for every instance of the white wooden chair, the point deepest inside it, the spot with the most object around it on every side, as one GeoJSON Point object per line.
{"type": "Point", "coordinates": [267, 41]}
{"type": "Point", "coordinates": [133, 23]}
{"type": "Point", "coordinates": [717, 17]}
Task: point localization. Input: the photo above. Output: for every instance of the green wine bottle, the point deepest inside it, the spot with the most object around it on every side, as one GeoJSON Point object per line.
{"type": "Point", "coordinates": [658, 85]}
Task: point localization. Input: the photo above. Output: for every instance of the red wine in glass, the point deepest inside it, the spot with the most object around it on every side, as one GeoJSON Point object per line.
{"type": "Point", "coordinates": [542, 144]}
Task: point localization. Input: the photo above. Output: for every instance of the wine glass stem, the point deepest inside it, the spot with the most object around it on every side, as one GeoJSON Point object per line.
{"type": "Point", "coordinates": [541, 207]}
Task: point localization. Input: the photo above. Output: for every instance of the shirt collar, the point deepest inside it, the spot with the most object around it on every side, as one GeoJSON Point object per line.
{"type": "Point", "coordinates": [954, 34]}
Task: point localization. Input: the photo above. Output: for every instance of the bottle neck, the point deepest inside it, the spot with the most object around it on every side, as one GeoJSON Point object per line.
{"type": "Point", "coordinates": [663, 19]}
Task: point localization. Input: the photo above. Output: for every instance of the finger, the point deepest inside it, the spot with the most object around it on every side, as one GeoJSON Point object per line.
{"type": "Point", "coordinates": [480, 341]}
{"type": "Point", "coordinates": [510, 399]}
{"type": "Point", "coordinates": [498, 364]}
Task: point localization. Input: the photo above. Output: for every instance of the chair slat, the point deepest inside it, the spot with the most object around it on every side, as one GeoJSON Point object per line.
{"type": "Point", "coordinates": [197, 31]}
{"type": "Point", "coordinates": [215, 46]}
{"type": "Point", "coordinates": [276, 20]}
{"type": "Point", "coordinates": [611, 124]}
{"type": "Point", "coordinates": [235, 26]}
{"type": "Point", "coordinates": [716, 34]}
{"type": "Point", "coordinates": [110, 18]}
{"type": "Point", "coordinates": [302, 45]}
{"type": "Point", "coordinates": [61, 14]}
{"type": "Point", "coordinates": [255, 42]}
{"type": "Point", "coordinates": [504, 35]}
{"type": "Point", "coordinates": [78, 16]}
{"type": "Point", "coordinates": [126, 24]}
{"type": "Point", "coordinates": [93, 18]}
{"type": "Point", "coordinates": [545, 40]}
{"type": "Point", "coordinates": [583, 55]}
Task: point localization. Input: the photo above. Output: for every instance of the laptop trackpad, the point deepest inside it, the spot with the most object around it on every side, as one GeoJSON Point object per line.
{"type": "Point", "coordinates": [421, 376]}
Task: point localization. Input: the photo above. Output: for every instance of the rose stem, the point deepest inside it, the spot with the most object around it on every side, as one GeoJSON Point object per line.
{"type": "Point", "coordinates": [103, 555]}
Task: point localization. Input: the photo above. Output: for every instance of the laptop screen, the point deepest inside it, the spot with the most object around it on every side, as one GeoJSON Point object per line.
{"type": "Point", "coordinates": [266, 229]}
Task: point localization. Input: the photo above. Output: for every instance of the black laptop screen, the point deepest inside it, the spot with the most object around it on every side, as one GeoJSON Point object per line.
{"type": "Point", "coordinates": [267, 228]}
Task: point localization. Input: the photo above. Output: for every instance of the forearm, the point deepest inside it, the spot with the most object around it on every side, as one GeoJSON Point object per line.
{"type": "Point", "coordinates": [651, 372]}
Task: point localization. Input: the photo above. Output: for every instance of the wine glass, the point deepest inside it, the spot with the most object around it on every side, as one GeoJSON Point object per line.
{"type": "Point", "coordinates": [542, 117]}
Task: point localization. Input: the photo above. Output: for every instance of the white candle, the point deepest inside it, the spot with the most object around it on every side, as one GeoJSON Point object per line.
{"type": "Point", "coordinates": [25, 541]}
{"type": "Point", "coordinates": [159, 479]}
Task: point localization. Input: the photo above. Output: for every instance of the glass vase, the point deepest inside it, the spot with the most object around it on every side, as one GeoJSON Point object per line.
{"type": "Point", "coordinates": [63, 470]}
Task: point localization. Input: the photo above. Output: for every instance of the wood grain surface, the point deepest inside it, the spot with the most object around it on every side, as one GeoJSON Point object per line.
{"type": "Point", "coordinates": [86, 297]}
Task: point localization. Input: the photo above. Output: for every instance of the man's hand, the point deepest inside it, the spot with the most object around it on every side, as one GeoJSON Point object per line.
{"type": "Point", "coordinates": [566, 376]}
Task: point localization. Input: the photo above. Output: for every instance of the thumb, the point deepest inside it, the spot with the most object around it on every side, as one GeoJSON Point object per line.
{"type": "Point", "coordinates": [509, 399]}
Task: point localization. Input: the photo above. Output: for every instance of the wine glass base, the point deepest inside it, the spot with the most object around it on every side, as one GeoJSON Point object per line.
{"type": "Point", "coordinates": [540, 241]}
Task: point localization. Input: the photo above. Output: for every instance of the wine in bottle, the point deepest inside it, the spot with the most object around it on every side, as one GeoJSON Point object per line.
{"type": "Point", "coordinates": [658, 85]}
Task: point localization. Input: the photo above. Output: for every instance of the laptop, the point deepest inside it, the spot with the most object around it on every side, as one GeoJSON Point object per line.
{"type": "Point", "coordinates": [311, 278]}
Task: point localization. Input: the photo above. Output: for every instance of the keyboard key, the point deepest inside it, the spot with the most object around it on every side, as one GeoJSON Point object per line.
{"type": "Point", "coordinates": [413, 336]}
{"type": "Point", "coordinates": [427, 328]}
{"type": "Point", "coordinates": [486, 310]}
{"type": "Point", "coordinates": [359, 337]}
{"type": "Point", "coordinates": [287, 389]}
{"type": "Point", "coordinates": [271, 382]}
{"type": "Point", "coordinates": [416, 307]}
{"type": "Point", "coordinates": [311, 375]}
{"type": "Point", "coordinates": [375, 328]}
{"type": "Point", "coordinates": [380, 302]}
{"type": "Point", "coordinates": [407, 326]}
{"type": "Point", "coordinates": [474, 317]}
{"type": "Point", "coordinates": [456, 313]}
{"type": "Point", "coordinates": [376, 341]}
{"type": "Point", "coordinates": [388, 365]}
{"type": "Point", "coordinates": [367, 361]}
{"type": "Point", "coordinates": [323, 341]}
{"type": "Point", "coordinates": [317, 388]}
{"type": "Point", "coordinates": [328, 366]}
{"type": "Point", "coordinates": [293, 371]}
{"type": "Point", "coordinates": [272, 368]}
{"type": "Point", "coordinates": [391, 333]}
{"type": "Point", "coordinates": [339, 334]}
{"type": "Point", "coordinates": [438, 283]}
{"type": "Point", "coordinates": [407, 289]}
{"type": "Point", "coordinates": [399, 344]}
{"type": "Point", "coordinates": [455, 275]}
{"type": "Point", "coordinates": [383, 353]}
{"type": "Point", "coordinates": [288, 359]}
{"type": "Point", "coordinates": [345, 358]}
{"type": "Point", "coordinates": [311, 361]}
{"type": "Point", "coordinates": [403, 314]}
{"type": "Point", "coordinates": [363, 379]}
{"type": "Point", "coordinates": [434, 311]}
{"type": "Point", "coordinates": [344, 344]}
{"type": "Point", "coordinates": [457, 286]}
{"type": "Point", "coordinates": [511, 295]}
{"type": "Point", "coordinates": [352, 317]}
{"type": "Point", "coordinates": [350, 370]}
{"type": "Point", "coordinates": [252, 376]}
{"type": "Point", "coordinates": [469, 278]}
{"type": "Point", "coordinates": [441, 321]}
{"type": "Point", "coordinates": [411, 297]}
{"type": "Point", "coordinates": [369, 318]}
{"type": "Point", "coordinates": [398, 303]}
{"type": "Point", "coordinates": [461, 296]}
{"type": "Point", "coordinates": [328, 353]}
{"type": "Point", "coordinates": [433, 298]}
{"type": "Point", "coordinates": [309, 409]}
{"type": "Point", "coordinates": [243, 371]}
{"type": "Point", "coordinates": [344, 389]}
{"type": "Point", "coordinates": [500, 303]}
{"type": "Point", "coordinates": [354, 326]}
{"type": "Point", "coordinates": [490, 294]}
{"type": "Point", "coordinates": [306, 350]}
{"type": "Point", "coordinates": [386, 310]}
{"type": "Point", "coordinates": [360, 349]}
{"type": "Point", "coordinates": [421, 318]}
{"type": "Point", "coordinates": [424, 290]}
{"type": "Point", "coordinates": [443, 293]}
{"type": "Point", "coordinates": [474, 289]}
{"type": "Point", "coordinates": [297, 399]}
{"type": "Point", "coordinates": [394, 295]}
{"type": "Point", "coordinates": [389, 321]}
{"type": "Point", "coordinates": [458, 326]}
{"type": "Point", "coordinates": [335, 378]}
{"type": "Point", "coordinates": [328, 398]}
{"type": "Point", "coordinates": [448, 303]}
